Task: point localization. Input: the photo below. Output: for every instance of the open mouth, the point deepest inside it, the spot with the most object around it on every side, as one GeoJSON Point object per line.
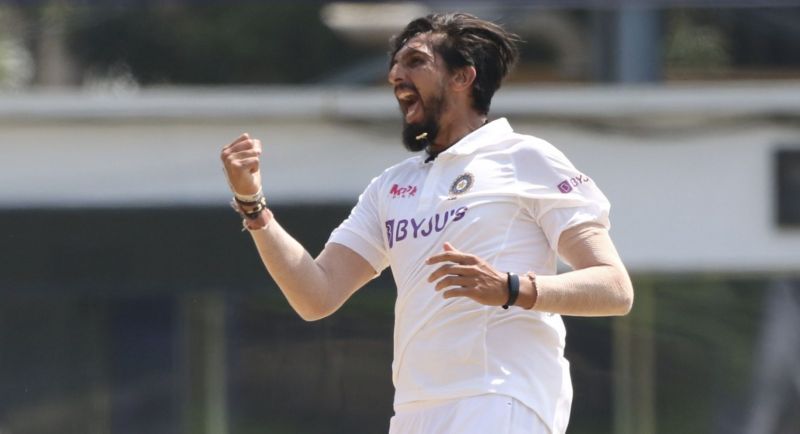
{"type": "Point", "coordinates": [410, 104]}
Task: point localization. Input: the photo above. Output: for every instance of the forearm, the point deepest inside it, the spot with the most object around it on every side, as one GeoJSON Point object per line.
{"type": "Point", "coordinates": [598, 286]}
{"type": "Point", "coordinates": [301, 279]}
{"type": "Point", "coordinates": [315, 287]}
{"type": "Point", "coordinates": [601, 290]}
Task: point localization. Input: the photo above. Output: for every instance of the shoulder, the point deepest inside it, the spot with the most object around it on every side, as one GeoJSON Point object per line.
{"type": "Point", "coordinates": [531, 150]}
{"type": "Point", "coordinates": [410, 164]}
{"type": "Point", "coordinates": [498, 137]}
{"type": "Point", "coordinates": [392, 174]}
{"type": "Point", "coordinates": [527, 143]}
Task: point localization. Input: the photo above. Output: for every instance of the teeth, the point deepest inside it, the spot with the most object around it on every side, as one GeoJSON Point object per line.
{"type": "Point", "coordinates": [411, 109]}
{"type": "Point", "coordinates": [405, 95]}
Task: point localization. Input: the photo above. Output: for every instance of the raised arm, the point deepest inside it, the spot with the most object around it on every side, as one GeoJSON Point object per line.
{"type": "Point", "coordinates": [314, 287]}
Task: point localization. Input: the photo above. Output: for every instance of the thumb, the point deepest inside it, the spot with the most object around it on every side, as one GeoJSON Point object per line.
{"type": "Point", "coordinates": [449, 247]}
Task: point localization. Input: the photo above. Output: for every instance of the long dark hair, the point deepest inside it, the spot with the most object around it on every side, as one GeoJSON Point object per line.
{"type": "Point", "coordinates": [468, 41]}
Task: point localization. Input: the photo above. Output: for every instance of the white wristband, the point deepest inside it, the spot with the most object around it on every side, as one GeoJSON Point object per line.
{"type": "Point", "coordinates": [249, 198]}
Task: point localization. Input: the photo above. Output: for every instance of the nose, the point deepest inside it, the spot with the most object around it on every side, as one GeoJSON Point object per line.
{"type": "Point", "coordinates": [395, 74]}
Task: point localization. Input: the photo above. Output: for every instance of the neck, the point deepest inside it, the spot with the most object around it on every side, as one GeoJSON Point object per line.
{"type": "Point", "coordinates": [453, 130]}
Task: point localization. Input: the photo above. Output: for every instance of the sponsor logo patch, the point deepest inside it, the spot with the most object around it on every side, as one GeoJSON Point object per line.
{"type": "Point", "coordinates": [399, 230]}
{"type": "Point", "coordinates": [568, 185]}
{"type": "Point", "coordinates": [398, 191]}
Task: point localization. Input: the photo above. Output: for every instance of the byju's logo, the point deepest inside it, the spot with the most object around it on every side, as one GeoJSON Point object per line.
{"type": "Point", "coordinates": [397, 191]}
{"type": "Point", "coordinates": [399, 230]}
{"type": "Point", "coordinates": [567, 185]}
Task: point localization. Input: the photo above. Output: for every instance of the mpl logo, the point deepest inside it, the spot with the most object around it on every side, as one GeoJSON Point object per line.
{"type": "Point", "coordinates": [567, 185]}
{"type": "Point", "coordinates": [398, 191]}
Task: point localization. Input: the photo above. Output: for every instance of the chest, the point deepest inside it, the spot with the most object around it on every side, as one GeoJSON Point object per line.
{"type": "Point", "coordinates": [453, 197]}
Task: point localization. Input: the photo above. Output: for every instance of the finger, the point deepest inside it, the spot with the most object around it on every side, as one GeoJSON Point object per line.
{"type": "Point", "coordinates": [231, 160]}
{"type": "Point", "coordinates": [233, 148]}
{"type": "Point", "coordinates": [458, 292]}
{"type": "Point", "coordinates": [456, 256]}
{"type": "Point", "coordinates": [439, 272]}
{"type": "Point", "coordinates": [455, 281]}
{"type": "Point", "coordinates": [250, 164]}
{"type": "Point", "coordinates": [460, 270]}
{"type": "Point", "coordinates": [243, 137]}
{"type": "Point", "coordinates": [244, 145]}
{"type": "Point", "coordinates": [250, 153]}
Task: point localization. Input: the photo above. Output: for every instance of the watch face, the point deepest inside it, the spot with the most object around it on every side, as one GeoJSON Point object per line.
{"type": "Point", "coordinates": [462, 184]}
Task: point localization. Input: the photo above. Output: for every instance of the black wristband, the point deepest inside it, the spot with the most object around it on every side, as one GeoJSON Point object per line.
{"type": "Point", "coordinates": [513, 290]}
{"type": "Point", "coordinates": [253, 213]}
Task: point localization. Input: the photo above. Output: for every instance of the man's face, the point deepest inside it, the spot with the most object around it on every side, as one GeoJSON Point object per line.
{"type": "Point", "coordinates": [419, 77]}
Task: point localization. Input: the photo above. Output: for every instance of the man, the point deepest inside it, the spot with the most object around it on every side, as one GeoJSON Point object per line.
{"type": "Point", "coordinates": [472, 229]}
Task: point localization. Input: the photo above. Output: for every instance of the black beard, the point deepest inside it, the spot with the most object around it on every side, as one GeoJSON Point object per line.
{"type": "Point", "coordinates": [429, 125]}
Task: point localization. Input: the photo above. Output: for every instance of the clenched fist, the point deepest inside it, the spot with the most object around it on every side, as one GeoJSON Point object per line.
{"type": "Point", "coordinates": [241, 162]}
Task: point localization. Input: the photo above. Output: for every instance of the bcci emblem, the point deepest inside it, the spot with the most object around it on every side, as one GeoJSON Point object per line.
{"type": "Point", "coordinates": [462, 184]}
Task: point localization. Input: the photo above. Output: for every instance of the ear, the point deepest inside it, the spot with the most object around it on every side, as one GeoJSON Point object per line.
{"type": "Point", "coordinates": [463, 78]}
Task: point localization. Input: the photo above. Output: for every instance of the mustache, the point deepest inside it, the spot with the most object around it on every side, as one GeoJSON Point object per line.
{"type": "Point", "coordinates": [405, 86]}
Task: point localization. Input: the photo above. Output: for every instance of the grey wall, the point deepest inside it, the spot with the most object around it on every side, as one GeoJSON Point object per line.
{"type": "Point", "coordinates": [689, 169]}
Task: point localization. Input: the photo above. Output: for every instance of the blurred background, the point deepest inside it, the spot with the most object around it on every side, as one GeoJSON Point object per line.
{"type": "Point", "coordinates": [131, 302]}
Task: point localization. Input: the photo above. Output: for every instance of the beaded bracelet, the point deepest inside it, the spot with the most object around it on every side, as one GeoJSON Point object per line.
{"type": "Point", "coordinates": [252, 214]}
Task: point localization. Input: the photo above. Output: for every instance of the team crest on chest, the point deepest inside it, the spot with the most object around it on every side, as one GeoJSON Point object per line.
{"type": "Point", "coordinates": [462, 184]}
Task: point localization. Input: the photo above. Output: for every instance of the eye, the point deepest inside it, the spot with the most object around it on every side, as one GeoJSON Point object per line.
{"type": "Point", "coordinates": [415, 61]}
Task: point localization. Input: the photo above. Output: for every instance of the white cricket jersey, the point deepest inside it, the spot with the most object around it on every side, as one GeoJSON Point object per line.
{"type": "Point", "coordinates": [505, 197]}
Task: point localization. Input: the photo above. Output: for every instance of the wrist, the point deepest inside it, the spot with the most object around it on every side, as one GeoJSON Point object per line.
{"type": "Point", "coordinates": [513, 289]}
{"type": "Point", "coordinates": [260, 222]}
{"type": "Point", "coordinates": [528, 291]}
{"type": "Point", "coordinates": [250, 207]}
{"type": "Point", "coordinates": [255, 214]}
{"type": "Point", "coordinates": [248, 198]}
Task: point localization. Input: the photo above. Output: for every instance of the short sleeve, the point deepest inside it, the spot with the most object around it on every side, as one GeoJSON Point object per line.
{"type": "Point", "coordinates": [362, 230]}
{"type": "Point", "coordinates": [556, 194]}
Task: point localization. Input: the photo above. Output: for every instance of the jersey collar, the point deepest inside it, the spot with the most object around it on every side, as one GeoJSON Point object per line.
{"type": "Point", "coordinates": [474, 140]}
